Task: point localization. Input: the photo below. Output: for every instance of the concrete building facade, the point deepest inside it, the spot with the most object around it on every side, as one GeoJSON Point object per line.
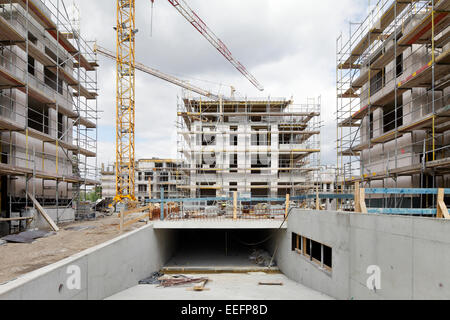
{"type": "Point", "coordinates": [160, 174]}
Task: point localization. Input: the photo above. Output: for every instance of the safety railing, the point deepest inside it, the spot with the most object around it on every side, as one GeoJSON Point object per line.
{"type": "Point", "coordinates": [439, 209]}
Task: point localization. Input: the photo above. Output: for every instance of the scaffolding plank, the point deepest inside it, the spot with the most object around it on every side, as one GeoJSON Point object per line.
{"type": "Point", "coordinates": [37, 94]}
{"type": "Point", "coordinates": [374, 33]}
{"type": "Point", "coordinates": [85, 122]}
{"type": "Point", "coordinates": [422, 32]}
{"type": "Point", "coordinates": [9, 33]}
{"type": "Point", "coordinates": [70, 79]}
{"type": "Point", "coordinates": [389, 136]}
{"type": "Point", "coordinates": [388, 56]}
{"type": "Point", "coordinates": [8, 79]}
{"type": "Point", "coordinates": [443, 39]}
{"type": "Point", "coordinates": [37, 54]}
{"type": "Point", "coordinates": [10, 125]}
{"type": "Point", "coordinates": [85, 152]}
{"type": "Point", "coordinates": [423, 76]}
{"type": "Point", "coordinates": [85, 93]}
{"type": "Point", "coordinates": [36, 10]}
{"type": "Point", "coordinates": [350, 93]}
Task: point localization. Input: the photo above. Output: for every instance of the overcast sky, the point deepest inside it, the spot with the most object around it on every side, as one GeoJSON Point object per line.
{"type": "Point", "coordinates": [288, 45]}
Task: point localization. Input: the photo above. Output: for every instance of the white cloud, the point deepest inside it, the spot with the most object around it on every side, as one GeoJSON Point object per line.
{"type": "Point", "coordinates": [288, 45]}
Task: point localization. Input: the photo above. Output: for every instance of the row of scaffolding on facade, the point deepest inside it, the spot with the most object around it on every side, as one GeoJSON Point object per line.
{"type": "Point", "coordinates": [48, 107]}
{"type": "Point", "coordinates": [393, 111]}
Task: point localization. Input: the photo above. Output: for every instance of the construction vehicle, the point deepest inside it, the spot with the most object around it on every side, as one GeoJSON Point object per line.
{"type": "Point", "coordinates": [125, 86]}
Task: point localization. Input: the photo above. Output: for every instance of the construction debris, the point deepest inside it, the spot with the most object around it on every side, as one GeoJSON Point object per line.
{"type": "Point", "coordinates": [202, 286]}
{"type": "Point", "coordinates": [28, 236]}
{"type": "Point", "coordinates": [262, 258]}
{"type": "Point", "coordinates": [2, 242]}
{"type": "Point", "coordinates": [179, 280]}
{"type": "Point", "coordinates": [153, 279]}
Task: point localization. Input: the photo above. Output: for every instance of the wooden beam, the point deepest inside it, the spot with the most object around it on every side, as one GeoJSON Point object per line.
{"type": "Point", "coordinates": [357, 197]}
{"type": "Point", "coordinates": [287, 205]}
{"type": "Point", "coordinates": [122, 218]}
{"type": "Point", "coordinates": [442, 211]}
{"type": "Point", "coordinates": [43, 213]}
{"type": "Point", "coordinates": [137, 210]}
{"type": "Point", "coordinates": [16, 219]}
{"type": "Point", "coordinates": [362, 200]}
{"type": "Point", "coordinates": [133, 221]}
{"type": "Point", "coordinates": [317, 199]}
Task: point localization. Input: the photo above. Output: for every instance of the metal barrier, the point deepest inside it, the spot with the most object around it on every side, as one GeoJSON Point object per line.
{"type": "Point", "coordinates": [440, 211]}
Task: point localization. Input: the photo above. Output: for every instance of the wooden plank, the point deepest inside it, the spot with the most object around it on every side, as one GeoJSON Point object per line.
{"type": "Point", "coordinates": [16, 219]}
{"type": "Point", "coordinates": [317, 199]}
{"type": "Point", "coordinates": [133, 221]}
{"type": "Point", "coordinates": [137, 210]}
{"type": "Point", "coordinates": [43, 213]}
{"type": "Point", "coordinates": [442, 211]}
{"type": "Point", "coordinates": [357, 202]}
{"type": "Point", "coordinates": [201, 287]}
{"type": "Point", "coordinates": [287, 205]}
{"type": "Point", "coordinates": [362, 200]}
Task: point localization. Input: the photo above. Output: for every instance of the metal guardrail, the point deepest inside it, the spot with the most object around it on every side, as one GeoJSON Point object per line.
{"type": "Point", "coordinates": [440, 211]}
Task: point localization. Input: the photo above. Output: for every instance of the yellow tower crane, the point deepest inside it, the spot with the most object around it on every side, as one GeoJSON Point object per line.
{"type": "Point", "coordinates": [125, 87]}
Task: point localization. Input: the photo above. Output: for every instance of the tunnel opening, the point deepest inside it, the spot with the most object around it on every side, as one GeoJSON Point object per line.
{"type": "Point", "coordinates": [227, 249]}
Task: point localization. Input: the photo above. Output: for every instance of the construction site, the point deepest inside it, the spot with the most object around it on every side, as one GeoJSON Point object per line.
{"type": "Point", "coordinates": [248, 209]}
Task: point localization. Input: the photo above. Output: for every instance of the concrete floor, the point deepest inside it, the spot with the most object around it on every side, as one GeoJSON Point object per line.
{"type": "Point", "coordinates": [211, 257]}
{"type": "Point", "coordinates": [227, 286]}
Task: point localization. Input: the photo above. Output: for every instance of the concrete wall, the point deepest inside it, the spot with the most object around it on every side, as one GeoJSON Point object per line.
{"type": "Point", "coordinates": [105, 269]}
{"type": "Point", "coordinates": [412, 252]}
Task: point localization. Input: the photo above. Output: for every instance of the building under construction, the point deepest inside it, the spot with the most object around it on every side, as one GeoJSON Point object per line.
{"type": "Point", "coordinates": [153, 177]}
{"type": "Point", "coordinates": [258, 148]}
{"type": "Point", "coordinates": [48, 111]}
{"type": "Point", "coordinates": [393, 112]}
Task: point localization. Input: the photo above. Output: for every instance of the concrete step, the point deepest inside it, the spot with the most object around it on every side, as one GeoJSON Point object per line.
{"type": "Point", "coordinates": [217, 269]}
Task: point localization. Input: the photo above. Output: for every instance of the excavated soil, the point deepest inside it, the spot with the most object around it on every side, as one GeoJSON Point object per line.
{"type": "Point", "coordinates": [17, 259]}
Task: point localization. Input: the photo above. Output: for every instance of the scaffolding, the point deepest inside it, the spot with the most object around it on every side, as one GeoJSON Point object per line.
{"type": "Point", "coordinates": [259, 148]}
{"type": "Point", "coordinates": [392, 90]}
{"type": "Point", "coordinates": [48, 108]}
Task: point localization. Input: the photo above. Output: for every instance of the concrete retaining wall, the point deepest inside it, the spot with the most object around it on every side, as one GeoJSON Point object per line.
{"type": "Point", "coordinates": [413, 254]}
{"type": "Point", "coordinates": [105, 269]}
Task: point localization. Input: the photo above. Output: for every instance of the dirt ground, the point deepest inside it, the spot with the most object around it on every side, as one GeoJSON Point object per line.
{"type": "Point", "coordinates": [18, 259]}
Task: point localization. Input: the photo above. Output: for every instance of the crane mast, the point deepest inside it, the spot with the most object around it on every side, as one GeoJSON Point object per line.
{"type": "Point", "coordinates": [125, 102]}
{"type": "Point", "coordinates": [125, 87]}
